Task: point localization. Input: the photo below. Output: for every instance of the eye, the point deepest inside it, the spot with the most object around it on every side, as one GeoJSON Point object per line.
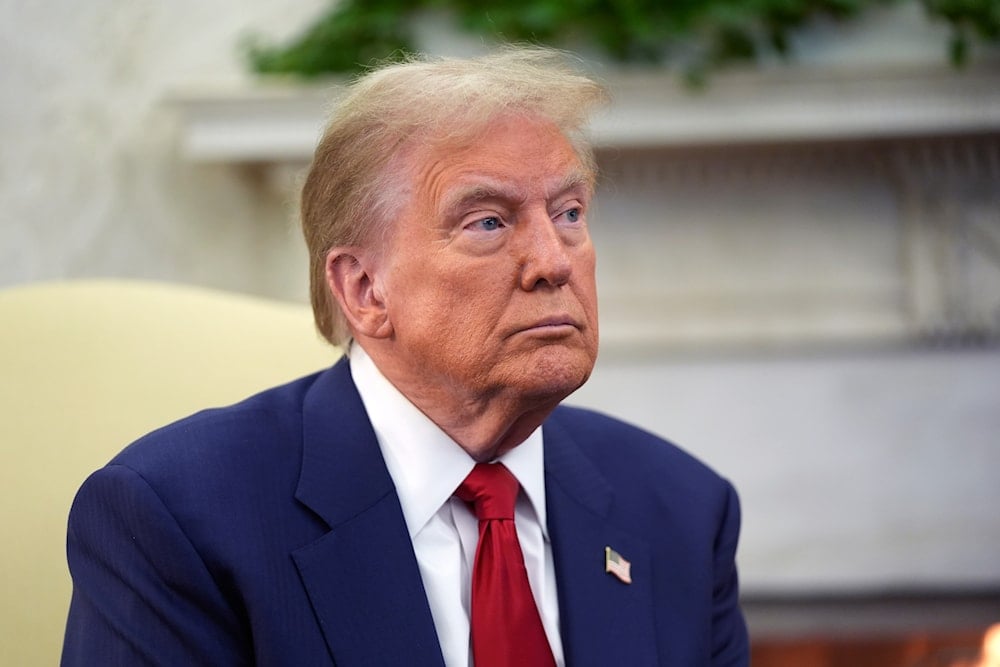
{"type": "Point", "coordinates": [488, 224]}
{"type": "Point", "coordinates": [572, 215]}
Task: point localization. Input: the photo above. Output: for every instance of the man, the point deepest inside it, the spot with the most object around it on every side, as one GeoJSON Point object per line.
{"type": "Point", "coordinates": [335, 520]}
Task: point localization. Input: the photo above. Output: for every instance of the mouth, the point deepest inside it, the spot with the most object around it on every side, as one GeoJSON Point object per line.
{"type": "Point", "coordinates": [554, 326]}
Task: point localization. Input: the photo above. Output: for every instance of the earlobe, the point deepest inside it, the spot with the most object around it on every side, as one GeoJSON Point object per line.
{"type": "Point", "coordinates": [351, 278]}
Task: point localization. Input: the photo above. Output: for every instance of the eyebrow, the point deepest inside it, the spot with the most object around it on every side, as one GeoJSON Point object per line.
{"type": "Point", "coordinates": [487, 189]}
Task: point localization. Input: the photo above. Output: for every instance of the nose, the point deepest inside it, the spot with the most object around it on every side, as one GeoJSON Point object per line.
{"type": "Point", "coordinates": [544, 256]}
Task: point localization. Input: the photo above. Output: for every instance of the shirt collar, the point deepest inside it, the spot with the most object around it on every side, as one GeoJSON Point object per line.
{"type": "Point", "coordinates": [425, 464]}
{"type": "Point", "coordinates": [527, 463]}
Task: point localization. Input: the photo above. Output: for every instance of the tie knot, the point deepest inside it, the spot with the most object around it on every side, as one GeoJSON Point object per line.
{"type": "Point", "coordinates": [492, 491]}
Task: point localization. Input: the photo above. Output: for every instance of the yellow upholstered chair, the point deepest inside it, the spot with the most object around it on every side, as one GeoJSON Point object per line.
{"type": "Point", "coordinates": [87, 367]}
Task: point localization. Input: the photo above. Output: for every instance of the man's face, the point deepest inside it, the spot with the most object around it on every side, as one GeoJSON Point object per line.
{"type": "Point", "coordinates": [488, 275]}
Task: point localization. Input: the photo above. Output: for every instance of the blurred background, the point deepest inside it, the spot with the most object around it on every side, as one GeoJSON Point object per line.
{"type": "Point", "coordinates": [798, 231]}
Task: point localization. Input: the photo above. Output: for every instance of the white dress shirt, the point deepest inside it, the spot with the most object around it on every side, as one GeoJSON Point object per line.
{"type": "Point", "coordinates": [427, 466]}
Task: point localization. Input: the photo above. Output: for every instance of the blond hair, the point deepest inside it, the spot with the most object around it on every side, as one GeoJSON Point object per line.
{"type": "Point", "coordinates": [350, 186]}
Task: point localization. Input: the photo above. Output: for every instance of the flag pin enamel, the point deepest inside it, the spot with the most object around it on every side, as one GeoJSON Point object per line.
{"type": "Point", "coordinates": [616, 565]}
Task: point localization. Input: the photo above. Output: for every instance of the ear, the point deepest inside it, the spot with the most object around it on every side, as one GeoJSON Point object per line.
{"type": "Point", "coordinates": [351, 278]}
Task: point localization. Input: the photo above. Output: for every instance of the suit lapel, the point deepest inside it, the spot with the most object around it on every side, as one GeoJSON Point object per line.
{"type": "Point", "coordinates": [603, 620]}
{"type": "Point", "coordinates": [362, 577]}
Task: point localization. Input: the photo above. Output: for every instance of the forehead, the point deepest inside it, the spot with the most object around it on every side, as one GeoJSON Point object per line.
{"type": "Point", "coordinates": [512, 156]}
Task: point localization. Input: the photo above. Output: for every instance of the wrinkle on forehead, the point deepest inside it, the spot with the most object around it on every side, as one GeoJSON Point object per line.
{"type": "Point", "coordinates": [426, 146]}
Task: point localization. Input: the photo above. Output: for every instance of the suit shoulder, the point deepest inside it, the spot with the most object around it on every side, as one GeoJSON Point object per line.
{"type": "Point", "coordinates": [612, 443]}
{"type": "Point", "coordinates": [230, 436]}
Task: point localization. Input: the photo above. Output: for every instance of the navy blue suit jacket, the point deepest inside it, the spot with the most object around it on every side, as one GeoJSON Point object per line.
{"type": "Point", "coordinates": [270, 533]}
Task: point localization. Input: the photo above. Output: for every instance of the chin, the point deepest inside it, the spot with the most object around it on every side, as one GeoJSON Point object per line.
{"type": "Point", "coordinates": [555, 374]}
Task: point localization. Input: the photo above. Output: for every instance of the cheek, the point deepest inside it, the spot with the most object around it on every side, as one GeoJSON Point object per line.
{"type": "Point", "coordinates": [475, 303]}
{"type": "Point", "coordinates": [437, 299]}
{"type": "Point", "coordinates": [586, 281]}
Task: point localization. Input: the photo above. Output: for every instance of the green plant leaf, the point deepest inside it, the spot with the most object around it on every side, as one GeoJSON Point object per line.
{"type": "Point", "coordinates": [694, 36]}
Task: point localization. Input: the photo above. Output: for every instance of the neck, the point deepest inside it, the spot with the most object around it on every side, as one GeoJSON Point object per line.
{"type": "Point", "coordinates": [491, 429]}
{"type": "Point", "coordinates": [486, 427]}
{"type": "Point", "coordinates": [486, 424]}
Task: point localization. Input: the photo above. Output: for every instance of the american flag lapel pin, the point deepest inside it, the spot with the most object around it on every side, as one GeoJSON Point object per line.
{"type": "Point", "coordinates": [616, 565]}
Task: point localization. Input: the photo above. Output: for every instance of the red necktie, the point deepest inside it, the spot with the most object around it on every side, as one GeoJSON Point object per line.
{"type": "Point", "coordinates": [506, 628]}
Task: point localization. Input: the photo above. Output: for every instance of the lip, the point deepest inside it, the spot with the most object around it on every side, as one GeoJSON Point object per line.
{"type": "Point", "coordinates": [556, 321]}
{"type": "Point", "coordinates": [556, 325]}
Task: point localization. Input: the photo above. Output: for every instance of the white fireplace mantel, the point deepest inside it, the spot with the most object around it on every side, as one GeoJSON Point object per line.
{"type": "Point", "coordinates": [280, 121]}
{"type": "Point", "coordinates": [815, 204]}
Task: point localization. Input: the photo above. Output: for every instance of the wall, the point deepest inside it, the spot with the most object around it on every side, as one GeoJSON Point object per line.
{"type": "Point", "coordinates": [858, 470]}
{"type": "Point", "coordinates": [761, 307]}
{"type": "Point", "coordinates": [90, 180]}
